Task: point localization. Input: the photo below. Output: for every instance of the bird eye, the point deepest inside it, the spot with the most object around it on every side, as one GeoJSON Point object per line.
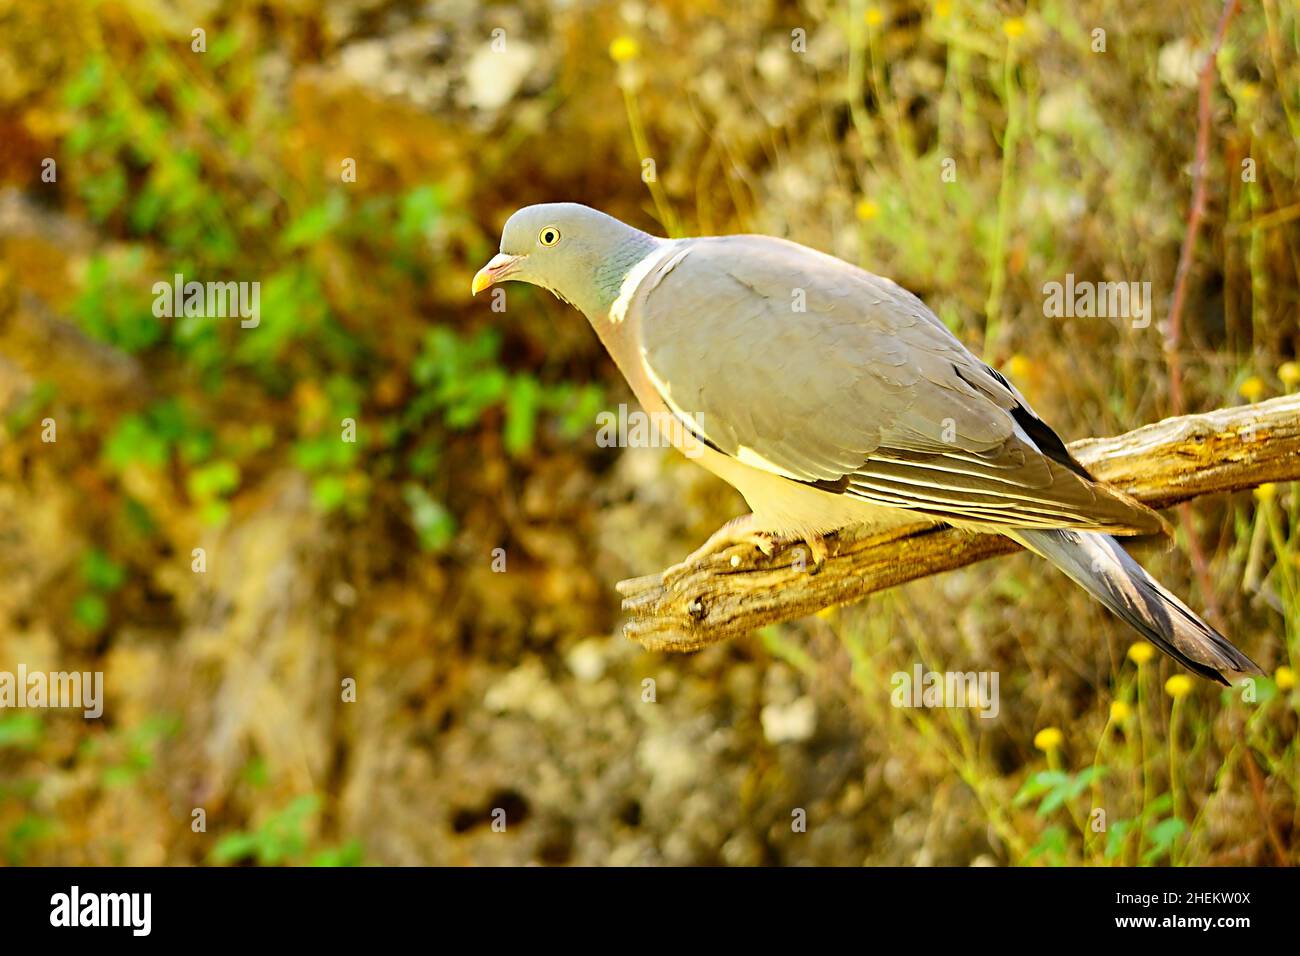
{"type": "Point", "coordinates": [549, 236]}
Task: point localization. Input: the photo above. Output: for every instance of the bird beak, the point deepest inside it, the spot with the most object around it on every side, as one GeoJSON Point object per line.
{"type": "Point", "coordinates": [499, 267]}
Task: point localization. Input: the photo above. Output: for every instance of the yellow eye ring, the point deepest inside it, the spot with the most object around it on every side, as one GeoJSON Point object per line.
{"type": "Point", "coordinates": [549, 236]}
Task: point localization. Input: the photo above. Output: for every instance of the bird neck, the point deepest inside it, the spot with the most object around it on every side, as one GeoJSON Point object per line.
{"type": "Point", "coordinates": [613, 270]}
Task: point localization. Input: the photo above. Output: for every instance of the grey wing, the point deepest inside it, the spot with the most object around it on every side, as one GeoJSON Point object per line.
{"type": "Point", "coordinates": [812, 369]}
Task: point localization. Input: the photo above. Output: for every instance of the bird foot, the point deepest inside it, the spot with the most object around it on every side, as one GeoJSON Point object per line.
{"type": "Point", "coordinates": [742, 531]}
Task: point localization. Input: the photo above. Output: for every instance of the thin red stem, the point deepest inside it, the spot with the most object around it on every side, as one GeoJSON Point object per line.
{"type": "Point", "coordinates": [1174, 328]}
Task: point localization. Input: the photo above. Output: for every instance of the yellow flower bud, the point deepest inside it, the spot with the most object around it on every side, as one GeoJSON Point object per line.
{"type": "Point", "coordinates": [1018, 366]}
{"type": "Point", "coordinates": [867, 210]}
{"type": "Point", "coordinates": [1285, 678]}
{"type": "Point", "coordinates": [1120, 711]}
{"type": "Point", "coordinates": [1289, 373]}
{"type": "Point", "coordinates": [624, 49]}
{"type": "Point", "coordinates": [1252, 390]}
{"type": "Point", "coordinates": [1266, 492]}
{"type": "Point", "coordinates": [874, 17]}
{"type": "Point", "coordinates": [1015, 27]}
{"type": "Point", "coordinates": [1141, 652]}
{"type": "Point", "coordinates": [1048, 739]}
{"type": "Point", "coordinates": [1180, 685]}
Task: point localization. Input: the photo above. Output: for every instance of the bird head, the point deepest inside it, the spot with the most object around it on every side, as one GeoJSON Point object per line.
{"type": "Point", "coordinates": [576, 252]}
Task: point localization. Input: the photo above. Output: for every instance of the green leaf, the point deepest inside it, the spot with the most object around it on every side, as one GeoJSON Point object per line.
{"type": "Point", "coordinates": [134, 441]}
{"type": "Point", "coordinates": [1070, 789]}
{"type": "Point", "coordinates": [433, 524]}
{"type": "Point", "coordinates": [421, 208]}
{"type": "Point", "coordinates": [1087, 776]}
{"type": "Point", "coordinates": [522, 403]}
{"type": "Point", "coordinates": [292, 307]}
{"type": "Point", "coordinates": [110, 306]}
{"type": "Point", "coordinates": [90, 611]}
{"type": "Point", "coordinates": [28, 408]}
{"type": "Point", "coordinates": [28, 830]}
{"type": "Point", "coordinates": [280, 839]}
{"type": "Point", "coordinates": [101, 572]}
{"type": "Point", "coordinates": [1166, 831]}
{"type": "Point", "coordinates": [1051, 845]}
{"type": "Point", "coordinates": [21, 729]}
{"type": "Point", "coordinates": [329, 492]}
{"type": "Point", "coordinates": [316, 223]}
{"type": "Point", "coordinates": [349, 854]}
{"type": "Point", "coordinates": [234, 847]}
{"type": "Point", "coordinates": [214, 513]}
{"type": "Point", "coordinates": [255, 772]}
{"type": "Point", "coordinates": [86, 85]}
{"type": "Point", "coordinates": [1039, 784]}
{"type": "Point", "coordinates": [423, 460]}
{"type": "Point", "coordinates": [1115, 838]}
{"type": "Point", "coordinates": [222, 47]}
{"type": "Point", "coordinates": [122, 775]}
{"type": "Point", "coordinates": [215, 480]}
{"type": "Point", "coordinates": [578, 408]}
{"type": "Point", "coordinates": [1159, 806]}
{"type": "Point", "coordinates": [1162, 837]}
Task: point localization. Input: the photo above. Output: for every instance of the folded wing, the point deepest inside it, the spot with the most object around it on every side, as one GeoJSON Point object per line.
{"type": "Point", "coordinates": [814, 370]}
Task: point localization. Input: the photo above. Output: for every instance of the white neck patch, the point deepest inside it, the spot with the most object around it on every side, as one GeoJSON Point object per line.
{"type": "Point", "coordinates": [632, 281]}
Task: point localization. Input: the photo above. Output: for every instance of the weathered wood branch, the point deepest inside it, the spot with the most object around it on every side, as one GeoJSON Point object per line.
{"type": "Point", "coordinates": [1161, 464]}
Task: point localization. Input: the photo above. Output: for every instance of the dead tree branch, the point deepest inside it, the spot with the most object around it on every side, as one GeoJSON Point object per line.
{"type": "Point", "coordinates": [1162, 464]}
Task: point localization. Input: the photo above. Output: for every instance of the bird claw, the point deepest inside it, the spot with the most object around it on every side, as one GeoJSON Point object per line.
{"type": "Point", "coordinates": [730, 535]}
{"type": "Point", "coordinates": [737, 533]}
{"type": "Point", "coordinates": [819, 548]}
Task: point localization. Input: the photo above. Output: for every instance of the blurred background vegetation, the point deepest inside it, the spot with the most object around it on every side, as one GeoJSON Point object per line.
{"type": "Point", "coordinates": [828, 123]}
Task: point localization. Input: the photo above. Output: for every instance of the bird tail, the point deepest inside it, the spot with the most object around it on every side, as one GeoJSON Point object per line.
{"type": "Point", "coordinates": [1105, 570]}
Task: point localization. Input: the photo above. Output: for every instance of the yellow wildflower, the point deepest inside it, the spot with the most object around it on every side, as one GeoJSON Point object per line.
{"type": "Point", "coordinates": [1018, 366]}
{"type": "Point", "coordinates": [624, 49]}
{"type": "Point", "coordinates": [1141, 652]}
{"type": "Point", "coordinates": [1048, 739]}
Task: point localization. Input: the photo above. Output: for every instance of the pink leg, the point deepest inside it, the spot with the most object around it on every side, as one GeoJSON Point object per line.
{"type": "Point", "coordinates": [739, 531]}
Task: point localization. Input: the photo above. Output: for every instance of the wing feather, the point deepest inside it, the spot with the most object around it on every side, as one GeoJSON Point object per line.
{"type": "Point", "coordinates": [822, 373]}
